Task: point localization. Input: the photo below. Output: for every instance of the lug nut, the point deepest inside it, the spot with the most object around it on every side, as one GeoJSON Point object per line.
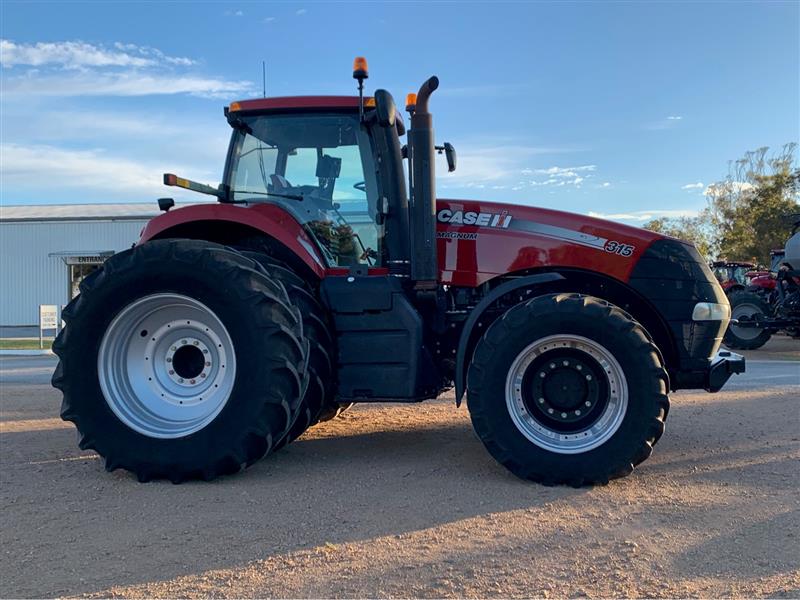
{"type": "Point", "coordinates": [192, 381]}
{"type": "Point", "coordinates": [541, 400]}
{"type": "Point", "coordinates": [183, 341]}
{"type": "Point", "coordinates": [202, 375]}
{"type": "Point", "coordinates": [542, 375]}
{"type": "Point", "coordinates": [196, 343]}
{"type": "Point", "coordinates": [172, 372]}
{"type": "Point", "coordinates": [565, 363]}
{"type": "Point", "coordinates": [180, 380]}
{"type": "Point", "coordinates": [169, 360]}
{"type": "Point", "coordinates": [208, 364]}
{"type": "Point", "coordinates": [579, 367]}
{"type": "Point", "coordinates": [563, 415]}
{"type": "Point", "coordinates": [588, 378]}
{"type": "Point", "coordinates": [550, 411]}
{"type": "Point", "coordinates": [552, 365]}
{"type": "Point", "coordinates": [205, 351]}
{"type": "Point", "coordinates": [578, 413]}
{"type": "Point", "coordinates": [174, 348]}
{"type": "Point", "coordinates": [587, 403]}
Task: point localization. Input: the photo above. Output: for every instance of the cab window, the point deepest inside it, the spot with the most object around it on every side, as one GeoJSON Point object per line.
{"type": "Point", "coordinates": [320, 168]}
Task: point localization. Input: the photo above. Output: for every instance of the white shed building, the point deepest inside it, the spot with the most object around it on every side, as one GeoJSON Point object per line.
{"type": "Point", "coordinates": [46, 250]}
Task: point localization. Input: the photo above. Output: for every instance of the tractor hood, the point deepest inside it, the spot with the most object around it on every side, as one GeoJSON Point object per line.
{"type": "Point", "coordinates": [480, 240]}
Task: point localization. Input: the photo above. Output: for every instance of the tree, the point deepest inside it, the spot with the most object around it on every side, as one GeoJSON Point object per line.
{"type": "Point", "coordinates": [690, 229]}
{"type": "Point", "coordinates": [748, 212]}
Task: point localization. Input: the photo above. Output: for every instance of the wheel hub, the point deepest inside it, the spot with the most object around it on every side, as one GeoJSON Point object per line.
{"type": "Point", "coordinates": [744, 313]}
{"type": "Point", "coordinates": [566, 393]}
{"type": "Point", "coordinates": [166, 365]}
{"type": "Point", "coordinates": [564, 388]}
{"type": "Point", "coordinates": [188, 362]}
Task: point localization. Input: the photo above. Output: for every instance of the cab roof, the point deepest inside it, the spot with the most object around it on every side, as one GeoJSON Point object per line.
{"type": "Point", "coordinates": [298, 102]}
{"type": "Point", "coordinates": [308, 103]}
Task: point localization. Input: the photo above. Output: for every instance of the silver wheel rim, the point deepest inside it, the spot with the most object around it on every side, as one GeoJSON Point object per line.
{"type": "Point", "coordinates": [166, 365]}
{"type": "Point", "coordinates": [586, 438]}
{"type": "Point", "coordinates": [748, 311]}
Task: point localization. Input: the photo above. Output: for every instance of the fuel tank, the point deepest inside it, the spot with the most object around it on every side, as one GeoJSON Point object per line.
{"type": "Point", "coordinates": [792, 252]}
{"type": "Point", "coordinates": [478, 240]}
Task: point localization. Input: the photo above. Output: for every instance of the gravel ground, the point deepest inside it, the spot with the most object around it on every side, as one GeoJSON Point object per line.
{"type": "Point", "coordinates": [404, 501]}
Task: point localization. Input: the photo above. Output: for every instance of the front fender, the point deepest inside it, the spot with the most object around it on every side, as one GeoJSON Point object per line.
{"type": "Point", "coordinates": [464, 341]}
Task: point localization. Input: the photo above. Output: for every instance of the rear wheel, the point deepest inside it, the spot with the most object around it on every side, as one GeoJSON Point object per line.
{"type": "Point", "coordinates": [318, 401]}
{"type": "Point", "coordinates": [180, 359]}
{"type": "Point", "coordinates": [567, 389]}
{"type": "Point", "coordinates": [746, 306]}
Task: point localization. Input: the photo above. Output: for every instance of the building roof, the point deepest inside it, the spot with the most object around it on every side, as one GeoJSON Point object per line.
{"type": "Point", "coordinates": [80, 212]}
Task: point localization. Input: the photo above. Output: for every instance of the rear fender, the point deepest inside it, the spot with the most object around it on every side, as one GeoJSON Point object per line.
{"type": "Point", "coordinates": [231, 224]}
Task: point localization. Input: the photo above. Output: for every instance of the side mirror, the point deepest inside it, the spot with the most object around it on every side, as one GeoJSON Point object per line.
{"type": "Point", "coordinates": [450, 155]}
{"type": "Point", "coordinates": [385, 108]}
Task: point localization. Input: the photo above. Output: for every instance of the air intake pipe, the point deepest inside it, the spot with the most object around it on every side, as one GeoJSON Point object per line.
{"type": "Point", "coordinates": [422, 172]}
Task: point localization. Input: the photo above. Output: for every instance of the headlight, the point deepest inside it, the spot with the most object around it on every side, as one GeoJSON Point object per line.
{"type": "Point", "coordinates": [710, 311]}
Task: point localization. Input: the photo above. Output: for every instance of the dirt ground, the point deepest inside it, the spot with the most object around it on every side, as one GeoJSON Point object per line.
{"type": "Point", "coordinates": [404, 501]}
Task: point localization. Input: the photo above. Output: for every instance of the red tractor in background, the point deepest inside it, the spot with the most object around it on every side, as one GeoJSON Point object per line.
{"type": "Point", "coordinates": [324, 276]}
{"type": "Point", "coordinates": [734, 275]}
{"type": "Point", "coordinates": [770, 302]}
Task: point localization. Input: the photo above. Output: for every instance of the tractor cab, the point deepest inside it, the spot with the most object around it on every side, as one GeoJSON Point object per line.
{"type": "Point", "coordinates": [320, 167]}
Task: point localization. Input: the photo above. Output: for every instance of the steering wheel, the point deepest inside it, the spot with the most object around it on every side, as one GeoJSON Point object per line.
{"type": "Point", "coordinates": [361, 186]}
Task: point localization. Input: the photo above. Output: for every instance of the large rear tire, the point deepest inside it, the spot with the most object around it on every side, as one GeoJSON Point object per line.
{"type": "Point", "coordinates": [180, 359]}
{"type": "Point", "coordinates": [745, 306]}
{"type": "Point", "coordinates": [318, 401]}
{"type": "Point", "coordinates": [567, 389]}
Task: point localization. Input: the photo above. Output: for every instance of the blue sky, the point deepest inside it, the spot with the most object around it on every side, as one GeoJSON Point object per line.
{"type": "Point", "coordinates": [623, 109]}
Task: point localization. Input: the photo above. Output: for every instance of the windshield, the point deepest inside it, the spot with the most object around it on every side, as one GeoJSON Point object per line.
{"type": "Point", "coordinates": [733, 274]}
{"type": "Point", "coordinates": [320, 168]}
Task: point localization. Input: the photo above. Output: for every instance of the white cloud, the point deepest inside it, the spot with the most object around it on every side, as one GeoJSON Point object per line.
{"type": "Point", "coordinates": [301, 12]}
{"type": "Point", "coordinates": [642, 216]}
{"type": "Point", "coordinates": [50, 170]}
{"type": "Point", "coordinates": [75, 68]}
{"type": "Point", "coordinates": [668, 122]}
{"type": "Point", "coordinates": [157, 54]}
{"type": "Point", "coordinates": [498, 164]}
{"type": "Point", "coordinates": [693, 186]}
{"type": "Point", "coordinates": [79, 55]}
{"type": "Point", "coordinates": [605, 184]}
{"type": "Point", "coordinates": [503, 165]}
{"type": "Point", "coordinates": [233, 13]}
{"type": "Point", "coordinates": [124, 84]}
{"type": "Point", "coordinates": [565, 171]}
{"type": "Point", "coordinates": [727, 187]}
{"type": "Point", "coordinates": [268, 19]}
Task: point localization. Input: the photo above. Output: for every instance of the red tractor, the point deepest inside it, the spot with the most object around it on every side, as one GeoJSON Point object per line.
{"type": "Point", "coordinates": [734, 275]}
{"type": "Point", "coordinates": [323, 277]}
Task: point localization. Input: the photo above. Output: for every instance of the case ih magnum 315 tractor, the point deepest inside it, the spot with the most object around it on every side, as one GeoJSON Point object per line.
{"type": "Point", "coordinates": [316, 281]}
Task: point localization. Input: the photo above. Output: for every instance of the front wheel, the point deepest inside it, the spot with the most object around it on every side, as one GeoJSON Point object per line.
{"type": "Point", "coordinates": [567, 389]}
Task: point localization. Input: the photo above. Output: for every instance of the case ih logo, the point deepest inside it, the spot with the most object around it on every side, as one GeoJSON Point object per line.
{"type": "Point", "coordinates": [502, 220]}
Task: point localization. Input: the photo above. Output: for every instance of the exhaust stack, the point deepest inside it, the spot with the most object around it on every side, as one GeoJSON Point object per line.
{"type": "Point", "coordinates": [424, 263]}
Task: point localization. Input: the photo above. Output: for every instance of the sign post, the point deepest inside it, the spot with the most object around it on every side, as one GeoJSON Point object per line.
{"type": "Point", "coordinates": [48, 319]}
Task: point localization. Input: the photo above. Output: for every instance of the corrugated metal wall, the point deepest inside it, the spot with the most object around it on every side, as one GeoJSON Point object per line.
{"type": "Point", "coordinates": [30, 277]}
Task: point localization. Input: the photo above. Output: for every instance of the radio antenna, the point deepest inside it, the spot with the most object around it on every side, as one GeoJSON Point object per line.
{"type": "Point", "coordinates": [264, 77]}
